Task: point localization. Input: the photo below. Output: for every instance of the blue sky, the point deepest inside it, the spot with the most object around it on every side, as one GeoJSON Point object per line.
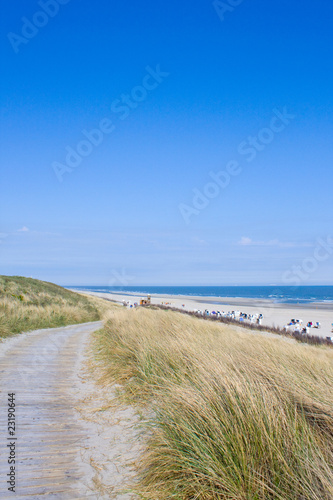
{"type": "Point", "coordinates": [169, 92]}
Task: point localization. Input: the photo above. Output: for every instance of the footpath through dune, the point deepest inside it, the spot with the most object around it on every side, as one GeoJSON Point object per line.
{"type": "Point", "coordinates": [63, 448]}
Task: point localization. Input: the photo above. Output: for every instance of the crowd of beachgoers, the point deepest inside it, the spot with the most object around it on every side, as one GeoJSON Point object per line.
{"type": "Point", "coordinates": [294, 326]}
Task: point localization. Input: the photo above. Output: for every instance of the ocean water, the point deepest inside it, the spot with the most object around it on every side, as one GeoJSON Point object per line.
{"type": "Point", "coordinates": [283, 294]}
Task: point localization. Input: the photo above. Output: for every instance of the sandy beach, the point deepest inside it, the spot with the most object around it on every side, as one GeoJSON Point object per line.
{"type": "Point", "coordinates": [275, 314]}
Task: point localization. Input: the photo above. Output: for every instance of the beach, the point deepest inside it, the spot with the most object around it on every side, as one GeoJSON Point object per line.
{"type": "Point", "coordinates": [274, 314]}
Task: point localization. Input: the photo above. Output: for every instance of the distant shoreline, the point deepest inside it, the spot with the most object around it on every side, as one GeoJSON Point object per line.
{"type": "Point", "coordinates": [217, 300]}
{"type": "Point", "coordinates": [274, 314]}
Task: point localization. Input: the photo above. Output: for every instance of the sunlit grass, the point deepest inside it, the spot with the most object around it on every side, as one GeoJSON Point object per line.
{"type": "Point", "coordinates": [232, 414]}
{"type": "Point", "coordinates": [27, 304]}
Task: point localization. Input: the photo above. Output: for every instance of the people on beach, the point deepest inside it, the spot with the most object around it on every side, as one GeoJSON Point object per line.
{"type": "Point", "coordinates": [233, 315]}
{"type": "Point", "coordinates": [297, 325]}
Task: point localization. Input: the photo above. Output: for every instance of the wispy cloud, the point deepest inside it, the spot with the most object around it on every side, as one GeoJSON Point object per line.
{"type": "Point", "coordinates": [25, 229]}
{"type": "Point", "coordinates": [199, 241]}
{"type": "Point", "coordinates": [246, 241]}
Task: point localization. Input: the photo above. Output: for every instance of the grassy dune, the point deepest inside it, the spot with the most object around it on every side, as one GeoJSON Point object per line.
{"type": "Point", "coordinates": [232, 415]}
{"type": "Point", "coordinates": [27, 304]}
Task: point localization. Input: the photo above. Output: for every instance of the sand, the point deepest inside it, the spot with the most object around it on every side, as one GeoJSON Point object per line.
{"type": "Point", "coordinates": [275, 314]}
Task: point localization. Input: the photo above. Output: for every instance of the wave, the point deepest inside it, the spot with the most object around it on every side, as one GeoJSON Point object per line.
{"type": "Point", "coordinates": [283, 294]}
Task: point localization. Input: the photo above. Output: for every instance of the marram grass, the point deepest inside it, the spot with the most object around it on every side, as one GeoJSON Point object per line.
{"type": "Point", "coordinates": [28, 304]}
{"type": "Point", "coordinates": [232, 415]}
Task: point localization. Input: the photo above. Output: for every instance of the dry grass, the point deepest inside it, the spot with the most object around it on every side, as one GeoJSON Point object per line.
{"type": "Point", "coordinates": [233, 415]}
{"type": "Point", "coordinates": [300, 337]}
{"type": "Point", "coordinates": [27, 304]}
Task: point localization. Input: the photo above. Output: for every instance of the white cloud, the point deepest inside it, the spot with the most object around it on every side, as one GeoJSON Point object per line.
{"type": "Point", "coordinates": [245, 241]}
{"type": "Point", "coordinates": [199, 241]}
{"type": "Point", "coordinates": [23, 229]}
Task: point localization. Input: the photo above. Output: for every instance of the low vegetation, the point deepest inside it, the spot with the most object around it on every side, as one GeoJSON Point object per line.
{"type": "Point", "coordinates": [230, 414]}
{"type": "Point", "coordinates": [28, 304]}
{"type": "Point", "coordinates": [300, 337]}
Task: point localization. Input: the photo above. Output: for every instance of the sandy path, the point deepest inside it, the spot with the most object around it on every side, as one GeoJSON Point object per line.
{"type": "Point", "coordinates": [64, 448]}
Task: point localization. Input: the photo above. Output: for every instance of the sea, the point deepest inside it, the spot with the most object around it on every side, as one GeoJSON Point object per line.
{"type": "Point", "coordinates": [278, 294]}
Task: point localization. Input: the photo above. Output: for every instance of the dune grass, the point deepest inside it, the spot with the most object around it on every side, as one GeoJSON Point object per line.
{"type": "Point", "coordinates": [27, 304]}
{"type": "Point", "coordinates": [231, 414]}
{"type": "Point", "coordinates": [300, 337]}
